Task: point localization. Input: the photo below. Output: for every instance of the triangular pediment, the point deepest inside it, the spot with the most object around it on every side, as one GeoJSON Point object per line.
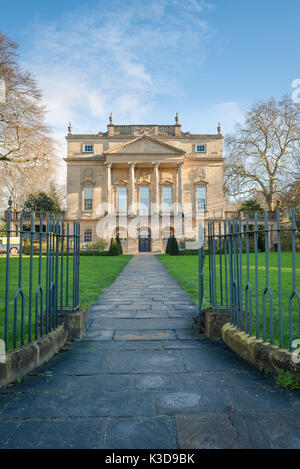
{"type": "Point", "coordinates": [144, 145]}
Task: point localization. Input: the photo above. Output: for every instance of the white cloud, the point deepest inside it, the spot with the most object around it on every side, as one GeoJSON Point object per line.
{"type": "Point", "coordinates": [115, 56]}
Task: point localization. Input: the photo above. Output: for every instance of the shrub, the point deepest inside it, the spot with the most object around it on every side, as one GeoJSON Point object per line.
{"type": "Point", "coordinates": [113, 248]}
{"type": "Point", "coordinates": [174, 247]}
{"type": "Point", "coordinates": [286, 240]}
{"type": "Point", "coordinates": [100, 245]}
{"type": "Point", "coordinates": [119, 245]}
{"type": "Point", "coordinates": [189, 252]}
{"type": "Point", "coordinates": [93, 253]}
{"type": "Point", "coordinates": [168, 246]}
{"type": "Point", "coordinates": [26, 247]}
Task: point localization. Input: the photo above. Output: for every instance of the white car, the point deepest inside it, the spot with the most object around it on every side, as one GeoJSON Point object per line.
{"type": "Point", "coordinates": [14, 245]}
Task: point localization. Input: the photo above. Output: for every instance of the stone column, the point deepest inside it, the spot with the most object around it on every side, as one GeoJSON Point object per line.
{"type": "Point", "coordinates": [108, 184]}
{"type": "Point", "coordinates": [155, 181]}
{"type": "Point", "coordinates": [155, 219]}
{"type": "Point", "coordinates": [179, 188]}
{"type": "Point", "coordinates": [131, 187]}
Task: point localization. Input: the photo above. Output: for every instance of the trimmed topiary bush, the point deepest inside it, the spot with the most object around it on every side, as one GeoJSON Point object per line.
{"type": "Point", "coordinates": [119, 244]}
{"type": "Point", "coordinates": [113, 248]}
{"type": "Point", "coordinates": [168, 246]}
{"type": "Point", "coordinates": [174, 247]}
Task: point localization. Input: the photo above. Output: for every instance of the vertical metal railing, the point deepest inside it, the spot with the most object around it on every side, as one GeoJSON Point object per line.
{"type": "Point", "coordinates": [40, 257]}
{"type": "Point", "coordinates": [201, 283]}
{"type": "Point", "coordinates": [253, 273]}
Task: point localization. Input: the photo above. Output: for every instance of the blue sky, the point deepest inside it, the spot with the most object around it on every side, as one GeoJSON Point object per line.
{"type": "Point", "coordinates": [145, 60]}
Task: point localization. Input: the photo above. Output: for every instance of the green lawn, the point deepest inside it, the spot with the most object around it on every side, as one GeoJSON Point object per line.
{"type": "Point", "coordinates": [185, 271]}
{"type": "Point", "coordinates": [96, 274]}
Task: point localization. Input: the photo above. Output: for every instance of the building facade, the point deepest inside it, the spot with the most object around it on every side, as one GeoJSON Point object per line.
{"type": "Point", "coordinates": [143, 182]}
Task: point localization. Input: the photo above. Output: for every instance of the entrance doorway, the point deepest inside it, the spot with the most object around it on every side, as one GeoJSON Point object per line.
{"type": "Point", "coordinates": [145, 241]}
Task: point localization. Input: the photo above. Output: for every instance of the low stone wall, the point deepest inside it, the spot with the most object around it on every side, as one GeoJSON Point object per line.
{"type": "Point", "coordinates": [22, 360]}
{"type": "Point", "coordinates": [259, 353]}
{"type": "Point", "coordinates": [212, 322]}
{"type": "Point", "coordinates": [75, 323]}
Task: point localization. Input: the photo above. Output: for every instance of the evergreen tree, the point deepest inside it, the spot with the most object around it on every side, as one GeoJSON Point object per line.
{"type": "Point", "coordinates": [113, 248]}
{"type": "Point", "coordinates": [251, 205]}
{"type": "Point", "coordinates": [119, 245]}
{"type": "Point", "coordinates": [41, 202]}
{"type": "Point", "coordinates": [174, 247]}
{"type": "Point", "coordinates": [168, 246]}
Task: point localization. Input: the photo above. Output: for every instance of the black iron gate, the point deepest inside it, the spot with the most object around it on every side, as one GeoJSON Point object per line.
{"type": "Point", "coordinates": [41, 275]}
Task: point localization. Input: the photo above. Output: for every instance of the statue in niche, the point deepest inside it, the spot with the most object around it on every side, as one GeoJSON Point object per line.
{"type": "Point", "coordinates": [201, 173]}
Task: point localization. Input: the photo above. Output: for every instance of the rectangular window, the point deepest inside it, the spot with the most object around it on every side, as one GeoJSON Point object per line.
{"type": "Point", "coordinates": [201, 198]}
{"type": "Point", "coordinates": [122, 199]}
{"type": "Point", "coordinates": [88, 236]}
{"type": "Point", "coordinates": [201, 148]}
{"type": "Point", "coordinates": [88, 148]}
{"type": "Point", "coordinates": [144, 200]}
{"type": "Point", "coordinates": [88, 198]}
{"type": "Point", "coordinates": [167, 198]}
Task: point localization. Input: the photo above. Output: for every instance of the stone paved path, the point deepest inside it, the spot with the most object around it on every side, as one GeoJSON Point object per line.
{"type": "Point", "coordinates": [144, 378]}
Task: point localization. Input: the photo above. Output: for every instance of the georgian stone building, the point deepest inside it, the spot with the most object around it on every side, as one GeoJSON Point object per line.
{"type": "Point", "coordinates": [143, 182]}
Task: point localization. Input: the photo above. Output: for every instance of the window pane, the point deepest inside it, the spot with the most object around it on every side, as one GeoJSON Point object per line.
{"type": "Point", "coordinates": [122, 199]}
{"type": "Point", "coordinates": [167, 197]}
{"type": "Point", "coordinates": [88, 147]}
{"type": "Point", "coordinates": [144, 200]}
{"type": "Point", "coordinates": [201, 148]}
{"type": "Point", "coordinates": [88, 198]}
{"type": "Point", "coordinates": [88, 235]}
{"type": "Point", "coordinates": [88, 192]}
{"type": "Point", "coordinates": [201, 198]}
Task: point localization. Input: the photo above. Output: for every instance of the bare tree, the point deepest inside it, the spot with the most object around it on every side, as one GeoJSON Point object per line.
{"type": "Point", "coordinates": [19, 180]}
{"type": "Point", "coordinates": [291, 197]}
{"type": "Point", "coordinates": [263, 154]}
{"type": "Point", "coordinates": [24, 137]}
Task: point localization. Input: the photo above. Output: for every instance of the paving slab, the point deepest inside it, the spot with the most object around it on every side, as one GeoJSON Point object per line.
{"type": "Point", "coordinates": [98, 336]}
{"type": "Point", "coordinates": [102, 383]}
{"type": "Point", "coordinates": [59, 434]}
{"type": "Point", "coordinates": [260, 398]}
{"type": "Point", "coordinates": [141, 433]}
{"type": "Point", "coordinates": [135, 324]}
{"type": "Point", "coordinates": [145, 361]}
{"type": "Point", "coordinates": [193, 401]}
{"type": "Point", "coordinates": [88, 404]}
{"type": "Point", "coordinates": [268, 430]}
{"type": "Point", "coordinates": [207, 431]}
{"type": "Point", "coordinates": [145, 335]}
{"type": "Point", "coordinates": [156, 381]}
